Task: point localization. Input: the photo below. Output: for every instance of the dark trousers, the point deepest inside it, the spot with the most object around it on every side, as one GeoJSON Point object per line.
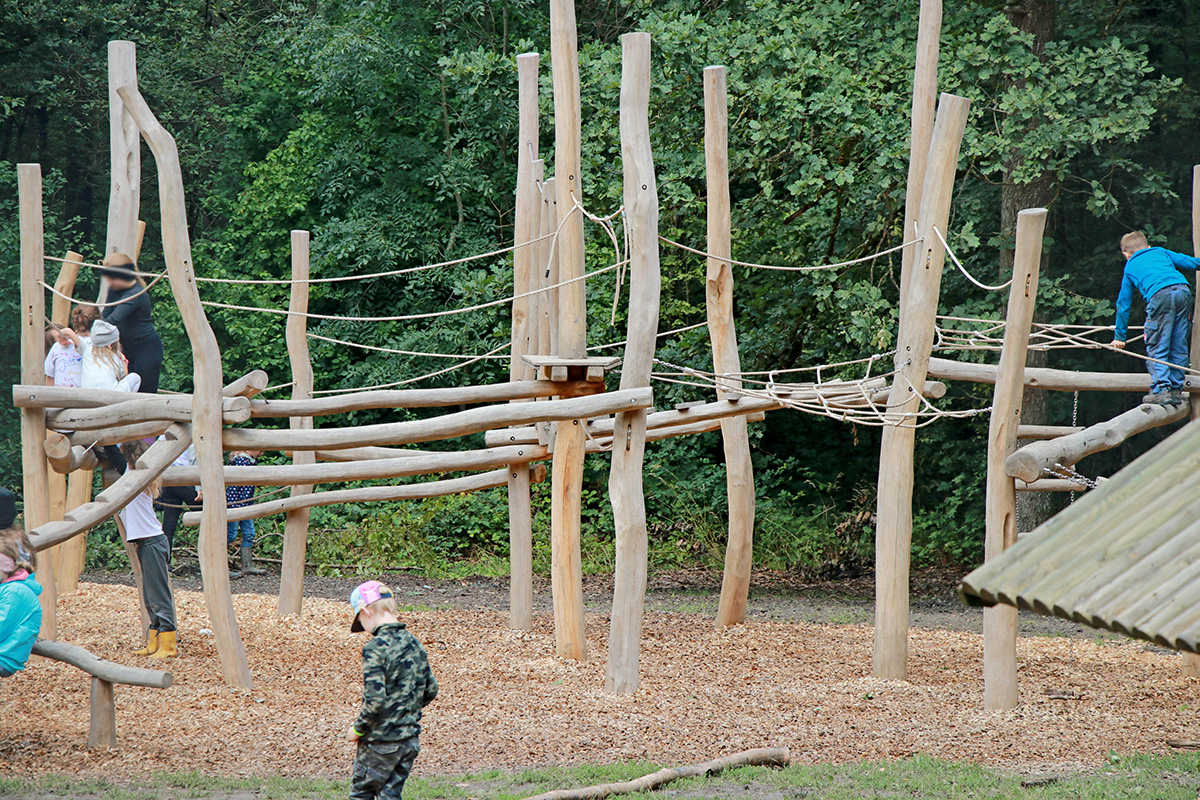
{"type": "Point", "coordinates": [171, 498]}
{"type": "Point", "coordinates": [381, 768]}
{"type": "Point", "coordinates": [156, 583]}
{"type": "Point", "coordinates": [146, 359]}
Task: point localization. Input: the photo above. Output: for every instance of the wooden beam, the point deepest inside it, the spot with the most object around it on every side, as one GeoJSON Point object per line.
{"type": "Point", "coordinates": [1191, 661]}
{"type": "Point", "coordinates": [378, 469]}
{"type": "Point", "coordinates": [36, 493]}
{"type": "Point", "coordinates": [295, 528]}
{"type": "Point", "coordinates": [141, 408]}
{"type": "Point", "coordinates": [625, 484]}
{"type": "Point", "coordinates": [125, 155]}
{"type": "Point", "coordinates": [42, 396]}
{"type": "Point", "coordinates": [932, 390]}
{"type": "Point", "coordinates": [447, 426]}
{"type": "Point", "coordinates": [1000, 510]}
{"type": "Point", "coordinates": [1060, 380]}
{"type": "Point", "coordinates": [64, 458]}
{"type": "Point", "coordinates": [374, 494]}
{"type": "Point", "coordinates": [67, 557]}
{"type": "Point", "coordinates": [206, 377]}
{"type": "Point", "coordinates": [1028, 432]}
{"type": "Point", "coordinates": [893, 531]}
{"type": "Point", "coordinates": [369, 453]}
{"type": "Point", "coordinates": [73, 552]}
{"type": "Point", "coordinates": [102, 437]}
{"type": "Point", "coordinates": [102, 729]}
{"type": "Point", "coordinates": [548, 264]}
{"type": "Point", "coordinates": [249, 385]}
{"type": "Point", "coordinates": [1030, 461]}
{"type": "Point", "coordinates": [1051, 485]}
{"type": "Point", "coordinates": [97, 667]}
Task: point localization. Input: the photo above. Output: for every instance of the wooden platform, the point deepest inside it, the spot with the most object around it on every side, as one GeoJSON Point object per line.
{"type": "Point", "coordinates": [590, 368]}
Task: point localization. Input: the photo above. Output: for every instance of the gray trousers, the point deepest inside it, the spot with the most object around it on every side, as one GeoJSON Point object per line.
{"type": "Point", "coordinates": [156, 583]}
{"type": "Point", "coordinates": [381, 768]}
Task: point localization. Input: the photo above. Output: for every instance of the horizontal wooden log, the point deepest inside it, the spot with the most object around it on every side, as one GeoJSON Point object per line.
{"type": "Point", "coordinates": [446, 426]}
{"type": "Point", "coordinates": [375, 494]}
{"type": "Point", "coordinates": [1061, 380]}
{"type": "Point", "coordinates": [97, 667]}
{"type": "Point", "coordinates": [102, 437]}
{"type": "Point", "coordinates": [933, 390]}
{"type": "Point", "coordinates": [142, 408]}
{"type": "Point", "coordinates": [368, 453]}
{"type": "Point", "coordinates": [602, 444]}
{"type": "Point", "coordinates": [249, 385]}
{"type": "Point", "coordinates": [87, 516]}
{"type": "Point", "coordinates": [64, 458]}
{"type": "Point", "coordinates": [1030, 462]}
{"type": "Point", "coordinates": [1051, 485]}
{"type": "Point", "coordinates": [40, 396]}
{"type": "Point", "coordinates": [1029, 432]}
{"type": "Point", "coordinates": [376, 469]}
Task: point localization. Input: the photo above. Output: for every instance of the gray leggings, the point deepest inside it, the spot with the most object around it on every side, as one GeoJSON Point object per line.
{"type": "Point", "coordinates": [156, 583]}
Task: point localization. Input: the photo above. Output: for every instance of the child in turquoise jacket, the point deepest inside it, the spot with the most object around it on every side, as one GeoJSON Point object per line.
{"type": "Point", "coordinates": [20, 613]}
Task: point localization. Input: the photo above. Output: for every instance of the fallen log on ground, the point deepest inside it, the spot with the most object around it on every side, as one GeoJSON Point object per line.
{"type": "Point", "coordinates": [1030, 462]}
{"type": "Point", "coordinates": [761, 757]}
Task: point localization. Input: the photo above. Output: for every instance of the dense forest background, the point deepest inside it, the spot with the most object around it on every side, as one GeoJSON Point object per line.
{"type": "Point", "coordinates": [389, 130]}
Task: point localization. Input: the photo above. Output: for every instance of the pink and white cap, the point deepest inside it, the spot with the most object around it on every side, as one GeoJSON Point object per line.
{"type": "Point", "coordinates": [363, 595]}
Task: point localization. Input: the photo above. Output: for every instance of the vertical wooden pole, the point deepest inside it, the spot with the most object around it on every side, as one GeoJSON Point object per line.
{"type": "Point", "coordinates": [125, 156]}
{"type": "Point", "coordinates": [103, 729]}
{"type": "Point", "coordinates": [68, 556]}
{"type": "Point", "coordinates": [525, 224]}
{"type": "Point", "coordinates": [1191, 661]}
{"type": "Point", "coordinates": [567, 489]}
{"type": "Point", "coordinates": [718, 291]}
{"type": "Point", "coordinates": [33, 359]}
{"type": "Point", "coordinates": [625, 485]}
{"type": "Point", "coordinates": [1000, 622]}
{"type": "Point", "coordinates": [207, 384]}
{"type": "Point", "coordinates": [929, 31]}
{"type": "Point", "coordinates": [893, 531]}
{"type": "Point", "coordinates": [548, 261]}
{"type": "Point", "coordinates": [295, 528]}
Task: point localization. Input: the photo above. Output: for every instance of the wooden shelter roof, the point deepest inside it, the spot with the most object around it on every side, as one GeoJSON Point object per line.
{"type": "Point", "coordinates": [1125, 557]}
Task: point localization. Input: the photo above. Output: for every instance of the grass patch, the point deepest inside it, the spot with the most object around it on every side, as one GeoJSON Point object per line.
{"type": "Point", "coordinates": [1175, 777]}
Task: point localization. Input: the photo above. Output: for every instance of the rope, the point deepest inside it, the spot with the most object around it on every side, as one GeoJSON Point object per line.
{"type": "Point", "coordinates": [871, 257]}
{"type": "Point", "coordinates": [662, 335]}
{"type": "Point", "coordinates": [101, 266]}
{"type": "Point", "coordinates": [408, 317]}
{"type": "Point", "coordinates": [397, 352]}
{"type": "Point", "coordinates": [143, 290]}
{"type": "Point", "coordinates": [460, 365]}
{"type": "Point", "coordinates": [963, 269]}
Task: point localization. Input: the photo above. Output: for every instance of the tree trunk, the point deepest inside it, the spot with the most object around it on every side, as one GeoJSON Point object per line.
{"type": "Point", "coordinates": [1035, 17]}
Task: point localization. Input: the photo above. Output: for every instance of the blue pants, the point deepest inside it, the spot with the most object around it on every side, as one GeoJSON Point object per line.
{"type": "Point", "coordinates": [1168, 332]}
{"type": "Point", "coordinates": [247, 528]}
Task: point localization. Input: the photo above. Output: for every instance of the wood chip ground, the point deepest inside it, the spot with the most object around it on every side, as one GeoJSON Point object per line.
{"type": "Point", "coordinates": [507, 701]}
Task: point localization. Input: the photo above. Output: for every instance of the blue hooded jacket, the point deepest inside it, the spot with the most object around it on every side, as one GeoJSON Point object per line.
{"type": "Point", "coordinates": [1149, 270]}
{"type": "Point", "coordinates": [20, 621]}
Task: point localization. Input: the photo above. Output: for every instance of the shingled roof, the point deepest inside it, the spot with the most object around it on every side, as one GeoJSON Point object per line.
{"type": "Point", "coordinates": [1125, 557]}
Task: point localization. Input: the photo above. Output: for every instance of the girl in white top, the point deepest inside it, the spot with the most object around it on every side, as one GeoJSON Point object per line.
{"type": "Point", "coordinates": [102, 365]}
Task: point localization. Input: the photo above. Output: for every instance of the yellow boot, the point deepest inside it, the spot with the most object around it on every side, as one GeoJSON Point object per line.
{"type": "Point", "coordinates": [166, 645]}
{"type": "Point", "coordinates": [151, 644]}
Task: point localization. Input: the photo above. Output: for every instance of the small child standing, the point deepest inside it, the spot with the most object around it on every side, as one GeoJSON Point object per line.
{"type": "Point", "coordinates": [20, 613]}
{"type": "Point", "coordinates": [143, 529]}
{"type": "Point", "coordinates": [1154, 273]}
{"type": "Point", "coordinates": [397, 684]}
{"type": "Point", "coordinates": [102, 364]}
{"type": "Point", "coordinates": [64, 365]}
{"type": "Point", "coordinates": [238, 497]}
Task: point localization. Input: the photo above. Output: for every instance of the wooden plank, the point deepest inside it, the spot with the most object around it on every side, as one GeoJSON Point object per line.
{"type": "Point", "coordinates": [207, 379]}
{"type": "Point", "coordinates": [1029, 432]}
{"type": "Point", "coordinates": [140, 408]}
{"type": "Point", "coordinates": [447, 426]}
{"type": "Point", "coordinates": [718, 294]}
{"type": "Point", "coordinates": [1000, 511]}
{"type": "Point", "coordinates": [35, 494]}
{"type": "Point", "coordinates": [1058, 380]}
{"type": "Point", "coordinates": [1030, 461]}
{"type": "Point", "coordinates": [295, 527]}
{"type": "Point", "coordinates": [606, 363]}
{"type": "Point", "coordinates": [97, 667]}
{"type": "Point", "coordinates": [625, 484]}
{"type": "Point", "coordinates": [524, 326]}
{"type": "Point", "coordinates": [893, 531]}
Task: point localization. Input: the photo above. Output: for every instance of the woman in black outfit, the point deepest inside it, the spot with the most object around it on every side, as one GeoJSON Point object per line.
{"type": "Point", "coordinates": [139, 339]}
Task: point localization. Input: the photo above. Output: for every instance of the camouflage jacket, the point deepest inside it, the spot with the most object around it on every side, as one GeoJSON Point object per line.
{"type": "Point", "coordinates": [397, 684]}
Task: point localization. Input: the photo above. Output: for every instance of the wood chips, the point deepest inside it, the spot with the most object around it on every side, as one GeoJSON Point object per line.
{"type": "Point", "coordinates": [507, 701]}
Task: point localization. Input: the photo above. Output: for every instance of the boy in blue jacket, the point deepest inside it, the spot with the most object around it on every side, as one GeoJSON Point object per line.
{"type": "Point", "coordinates": [20, 613]}
{"type": "Point", "coordinates": [1154, 273]}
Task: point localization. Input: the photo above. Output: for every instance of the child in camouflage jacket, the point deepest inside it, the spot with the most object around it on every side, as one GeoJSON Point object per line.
{"type": "Point", "coordinates": [397, 684]}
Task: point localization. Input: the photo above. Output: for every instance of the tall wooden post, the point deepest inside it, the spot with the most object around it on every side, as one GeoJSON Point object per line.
{"type": "Point", "coordinates": [929, 31]}
{"type": "Point", "coordinates": [125, 156]}
{"type": "Point", "coordinates": [68, 556]}
{"type": "Point", "coordinates": [625, 487]}
{"type": "Point", "coordinates": [1191, 661]}
{"type": "Point", "coordinates": [33, 358]}
{"type": "Point", "coordinates": [1000, 622]}
{"type": "Point", "coordinates": [525, 225]}
{"type": "Point", "coordinates": [567, 490]}
{"type": "Point", "coordinates": [206, 389]}
{"type": "Point", "coordinates": [295, 528]}
{"type": "Point", "coordinates": [718, 294]}
{"type": "Point", "coordinates": [548, 264]}
{"type": "Point", "coordinates": [893, 531]}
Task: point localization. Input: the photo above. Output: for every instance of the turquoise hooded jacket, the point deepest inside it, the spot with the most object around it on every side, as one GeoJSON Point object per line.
{"type": "Point", "coordinates": [20, 621]}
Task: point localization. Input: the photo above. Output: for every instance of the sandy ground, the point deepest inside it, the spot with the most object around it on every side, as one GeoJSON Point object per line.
{"type": "Point", "coordinates": [507, 701]}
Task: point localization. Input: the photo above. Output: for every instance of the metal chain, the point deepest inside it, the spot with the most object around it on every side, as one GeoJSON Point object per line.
{"type": "Point", "coordinates": [1074, 424]}
{"type": "Point", "coordinates": [1060, 471]}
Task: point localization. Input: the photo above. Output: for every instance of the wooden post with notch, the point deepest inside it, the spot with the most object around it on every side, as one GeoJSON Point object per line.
{"type": "Point", "coordinates": [569, 445]}
{"type": "Point", "coordinates": [893, 531]}
{"type": "Point", "coordinates": [33, 358]}
{"type": "Point", "coordinates": [68, 556]}
{"type": "Point", "coordinates": [207, 384]}
{"type": "Point", "coordinates": [1191, 661]}
{"type": "Point", "coordinates": [625, 479]}
{"type": "Point", "coordinates": [718, 295]}
{"type": "Point", "coordinates": [1000, 516]}
{"type": "Point", "coordinates": [125, 157]}
{"type": "Point", "coordinates": [525, 225]}
{"type": "Point", "coordinates": [295, 529]}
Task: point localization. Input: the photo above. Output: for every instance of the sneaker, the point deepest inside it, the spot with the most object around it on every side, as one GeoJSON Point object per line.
{"type": "Point", "coordinates": [1181, 397]}
{"type": "Point", "coordinates": [1163, 399]}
